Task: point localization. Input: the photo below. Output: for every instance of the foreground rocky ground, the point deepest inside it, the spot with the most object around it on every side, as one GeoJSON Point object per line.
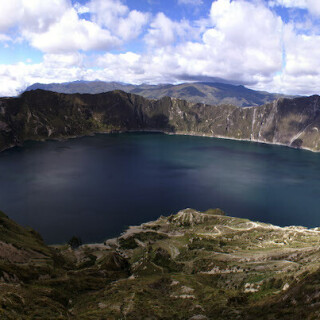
{"type": "Point", "coordinates": [192, 265]}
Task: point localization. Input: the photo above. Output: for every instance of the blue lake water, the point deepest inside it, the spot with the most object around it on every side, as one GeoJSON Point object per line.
{"type": "Point", "coordinates": [94, 187]}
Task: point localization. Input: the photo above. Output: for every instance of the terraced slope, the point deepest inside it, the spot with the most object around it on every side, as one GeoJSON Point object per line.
{"type": "Point", "coordinates": [191, 265]}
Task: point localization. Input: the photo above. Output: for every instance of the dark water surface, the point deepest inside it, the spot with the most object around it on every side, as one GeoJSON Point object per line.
{"type": "Point", "coordinates": [94, 187]}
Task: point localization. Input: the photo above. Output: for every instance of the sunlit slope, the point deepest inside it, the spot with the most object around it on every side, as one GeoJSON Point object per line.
{"type": "Point", "coordinates": [191, 265]}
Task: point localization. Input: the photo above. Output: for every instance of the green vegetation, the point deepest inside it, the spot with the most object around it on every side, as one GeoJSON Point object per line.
{"type": "Point", "coordinates": [75, 242]}
{"type": "Point", "coordinates": [192, 265]}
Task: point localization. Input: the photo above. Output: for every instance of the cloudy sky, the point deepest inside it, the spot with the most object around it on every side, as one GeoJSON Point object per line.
{"type": "Point", "coordinates": [271, 45]}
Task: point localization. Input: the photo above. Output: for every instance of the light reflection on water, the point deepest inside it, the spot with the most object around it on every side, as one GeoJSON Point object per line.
{"type": "Point", "coordinates": [95, 186]}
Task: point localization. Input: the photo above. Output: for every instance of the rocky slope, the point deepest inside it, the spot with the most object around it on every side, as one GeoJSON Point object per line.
{"type": "Point", "coordinates": [43, 114]}
{"type": "Point", "coordinates": [191, 265]}
{"type": "Point", "coordinates": [197, 92]}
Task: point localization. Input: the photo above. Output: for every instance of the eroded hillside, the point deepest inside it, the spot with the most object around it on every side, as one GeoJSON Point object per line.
{"type": "Point", "coordinates": [191, 265]}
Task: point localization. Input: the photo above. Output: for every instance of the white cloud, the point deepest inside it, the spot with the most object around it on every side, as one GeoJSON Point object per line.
{"type": "Point", "coordinates": [63, 60]}
{"type": "Point", "coordinates": [301, 72]}
{"type": "Point", "coordinates": [106, 12]}
{"type": "Point", "coordinates": [16, 77]}
{"type": "Point", "coordinates": [163, 31]}
{"type": "Point", "coordinates": [81, 9]}
{"type": "Point", "coordinates": [55, 26]}
{"type": "Point", "coordinates": [289, 3]}
{"type": "Point", "coordinates": [131, 27]}
{"type": "Point", "coordinates": [36, 15]}
{"type": "Point", "coordinates": [311, 5]}
{"type": "Point", "coordinates": [116, 17]}
{"type": "Point", "coordinates": [71, 34]}
{"type": "Point", "coordinates": [302, 53]}
{"type": "Point", "coordinates": [245, 44]}
{"type": "Point", "coordinates": [10, 12]}
{"type": "Point", "coordinates": [125, 67]}
{"type": "Point", "coordinates": [4, 38]}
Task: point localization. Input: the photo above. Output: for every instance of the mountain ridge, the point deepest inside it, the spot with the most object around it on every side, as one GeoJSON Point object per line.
{"type": "Point", "coordinates": [41, 115]}
{"type": "Point", "coordinates": [211, 93]}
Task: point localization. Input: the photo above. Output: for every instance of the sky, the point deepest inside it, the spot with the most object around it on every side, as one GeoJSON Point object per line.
{"type": "Point", "coordinates": [269, 45]}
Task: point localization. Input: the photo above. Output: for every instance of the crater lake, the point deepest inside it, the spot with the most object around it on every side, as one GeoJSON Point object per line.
{"type": "Point", "coordinates": [94, 187]}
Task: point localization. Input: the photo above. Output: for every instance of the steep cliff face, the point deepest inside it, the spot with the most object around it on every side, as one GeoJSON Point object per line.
{"type": "Point", "coordinates": [42, 114]}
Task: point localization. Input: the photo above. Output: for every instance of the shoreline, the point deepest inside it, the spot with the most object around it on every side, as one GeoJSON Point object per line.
{"type": "Point", "coordinates": [178, 133]}
{"type": "Point", "coordinates": [132, 229]}
{"type": "Point", "coordinates": [204, 135]}
{"type": "Point", "coordinates": [238, 139]}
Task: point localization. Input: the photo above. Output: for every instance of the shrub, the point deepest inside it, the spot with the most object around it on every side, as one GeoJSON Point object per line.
{"type": "Point", "coordinates": [75, 242]}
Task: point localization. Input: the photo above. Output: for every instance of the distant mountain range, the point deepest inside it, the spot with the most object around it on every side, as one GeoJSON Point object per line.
{"type": "Point", "coordinates": [198, 92]}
